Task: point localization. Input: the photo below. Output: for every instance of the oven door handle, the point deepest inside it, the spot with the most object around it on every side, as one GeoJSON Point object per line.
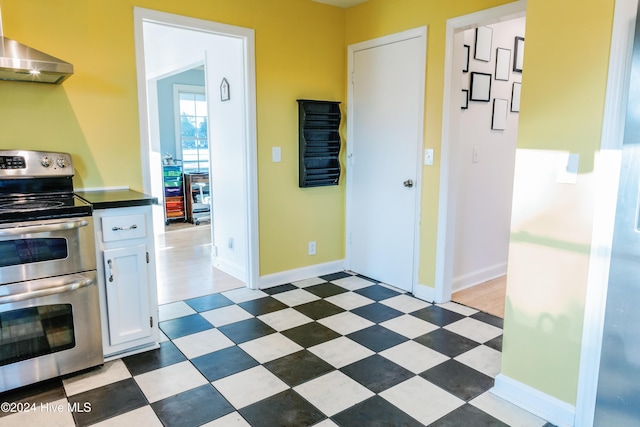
{"type": "Point", "coordinates": [43, 228]}
{"type": "Point", "coordinates": [71, 286]}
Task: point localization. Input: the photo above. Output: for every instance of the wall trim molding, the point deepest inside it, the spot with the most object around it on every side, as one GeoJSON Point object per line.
{"type": "Point", "coordinates": [477, 277]}
{"type": "Point", "coordinates": [424, 292]}
{"type": "Point", "coordinates": [302, 273]}
{"type": "Point", "coordinates": [538, 403]}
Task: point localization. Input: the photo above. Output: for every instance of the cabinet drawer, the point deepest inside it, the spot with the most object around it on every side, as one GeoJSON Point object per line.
{"type": "Point", "coordinates": [123, 227]}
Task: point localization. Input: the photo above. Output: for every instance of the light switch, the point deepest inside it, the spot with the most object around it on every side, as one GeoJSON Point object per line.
{"type": "Point", "coordinates": [475, 155]}
{"type": "Point", "coordinates": [276, 154]}
{"type": "Point", "coordinates": [428, 157]}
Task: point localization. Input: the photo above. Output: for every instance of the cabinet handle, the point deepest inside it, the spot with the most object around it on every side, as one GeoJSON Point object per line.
{"type": "Point", "coordinates": [110, 270]}
{"type": "Point", "coordinates": [133, 227]}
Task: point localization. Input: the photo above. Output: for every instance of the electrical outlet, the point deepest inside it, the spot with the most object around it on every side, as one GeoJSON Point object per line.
{"type": "Point", "coordinates": [312, 248]}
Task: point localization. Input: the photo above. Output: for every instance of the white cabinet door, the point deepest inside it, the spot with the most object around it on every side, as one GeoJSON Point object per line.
{"type": "Point", "coordinates": [127, 291]}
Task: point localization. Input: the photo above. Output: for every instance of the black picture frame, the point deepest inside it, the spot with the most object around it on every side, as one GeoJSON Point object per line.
{"type": "Point", "coordinates": [518, 54]}
{"type": "Point", "coordinates": [499, 114]}
{"type": "Point", "coordinates": [464, 99]}
{"type": "Point", "coordinates": [515, 97]}
{"type": "Point", "coordinates": [503, 60]}
{"type": "Point", "coordinates": [482, 50]}
{"type": "Point", "coordinates": [480, 87]}
{"type": "Point", "coordinates": [466, 53]}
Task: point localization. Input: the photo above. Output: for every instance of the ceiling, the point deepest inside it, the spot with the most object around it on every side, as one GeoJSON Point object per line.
{"type": "Point", "coordinates": [341, 3]}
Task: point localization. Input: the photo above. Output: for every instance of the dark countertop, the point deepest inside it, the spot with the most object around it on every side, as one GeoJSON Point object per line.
{"type": "Point", "coordinates": [109, 199]}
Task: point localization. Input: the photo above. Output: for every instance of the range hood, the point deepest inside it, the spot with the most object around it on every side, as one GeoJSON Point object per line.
{"type": "Point", "coordinates": [22, 63]}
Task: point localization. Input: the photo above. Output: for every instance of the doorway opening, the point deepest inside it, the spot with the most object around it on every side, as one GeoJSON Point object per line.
{"type": "Point", "coordinates": [224, 137]}
{"type": "Point", "coordinates": [478, 155]}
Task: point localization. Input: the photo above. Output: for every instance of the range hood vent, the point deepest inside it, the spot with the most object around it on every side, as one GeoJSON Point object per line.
{"type": "Point", "coordinates": [22, 63]}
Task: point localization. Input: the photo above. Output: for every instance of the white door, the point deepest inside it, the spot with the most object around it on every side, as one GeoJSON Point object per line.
{"type": "Point", "coordinates": [385, 138]}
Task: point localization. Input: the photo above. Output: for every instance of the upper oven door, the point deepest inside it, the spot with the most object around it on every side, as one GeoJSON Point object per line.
{"type": "Point", "coordinates": [38, 249]}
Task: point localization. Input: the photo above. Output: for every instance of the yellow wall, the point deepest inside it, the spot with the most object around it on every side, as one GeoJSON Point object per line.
{"type": "Point", "coordinates": [94, 114]}
{"type": "Point", "coordinates": [566, 58]}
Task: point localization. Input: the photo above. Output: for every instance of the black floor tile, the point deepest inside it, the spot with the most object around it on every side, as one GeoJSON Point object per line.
{"type": "Point", "coordinates": [209, 302]}
{"type": "Point", "coordinates": [246, 330]}
{"type": "Point", "coordinates": [261, 306]}
{"type": "Point", "coordinates": [489, 318]}
{"type": "Point", "coordinates": [107, 401]}
{"type": "Point", "coordinates": [335, 276]}
{"type": "Point", "coordinates": [375, 412]}
{"type": "Point", "coordinates": [377, 312]}
{"type": "Point", "coordinates": [368, 278]}
{"type": "Point", "coordinates": [280, 289]}
{"type": "Point", "coordinates": [458, 379]}
{"type": "Point", "coordinates": [36, 394]}
{"type": "Point", "coordinates": [318, 309]}
{"type": "Point", "coordinates": [325, 290]}
{"type": "Point", "coordinates": [283, 409]}
{"type": "Point", "coordinates": [464, 414]}
{"type": "Point", "coordinates": [299, 367]}
{"type": "Point", "coordinates": [310, 334]}
{"type": "Point", "coordinates": [192, 408]}
{"type": "Point", "coordinates": [187, 325]}
{"type": "Point", "coordinates": [446, 342]}
{"type": "Point", "coordinates": [223, 363]}
{"type": "Point", "coordinates": [377, 373]}
{"type": "Point", "coordinates": [377, 338]}
{"type": "Point", "coordinates": [437, 315]}
{"type": "Point", "coordinates": [495, 343]}
{"type": "Point", "coordinates": [377, 292]}
{"type": "Point", "coordinates": [166, 355]}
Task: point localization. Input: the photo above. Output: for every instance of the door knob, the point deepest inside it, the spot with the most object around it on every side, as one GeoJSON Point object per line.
{"type": "Point", "coordinates": [408, 183]}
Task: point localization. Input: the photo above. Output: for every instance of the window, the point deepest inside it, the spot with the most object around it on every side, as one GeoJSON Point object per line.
{"type": "Point", "coordinates": [191, 129]}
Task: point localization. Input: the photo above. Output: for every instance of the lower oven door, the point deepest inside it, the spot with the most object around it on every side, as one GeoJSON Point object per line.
{"type": "Point", "coordinates": [48, 327]}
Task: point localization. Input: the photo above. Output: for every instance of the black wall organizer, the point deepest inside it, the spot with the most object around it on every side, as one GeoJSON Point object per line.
{"type": "Point", "coordinates": [319, 142]}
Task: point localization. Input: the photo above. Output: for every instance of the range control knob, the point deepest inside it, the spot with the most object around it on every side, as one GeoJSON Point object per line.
{"type": "Point", "coordinates": [62, 162]}
{"type": "Point", "coordinates": [45, 161]}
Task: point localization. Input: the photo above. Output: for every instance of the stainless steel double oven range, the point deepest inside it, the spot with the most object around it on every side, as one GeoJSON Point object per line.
{"type": "Point", "coordinates": [49, 307]}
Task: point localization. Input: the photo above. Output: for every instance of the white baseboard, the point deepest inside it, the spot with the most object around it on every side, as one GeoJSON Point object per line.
{"type": "Point", "coordinates": [479, 276]}
{"type": "Point", "coordinates": [230, 268]}
{"type": "Point", "coordinates": [540, 404]}
{"type": "Point", "coordinates": [302, 273]}
{"type": "Point", "coordinates": [424, 292]}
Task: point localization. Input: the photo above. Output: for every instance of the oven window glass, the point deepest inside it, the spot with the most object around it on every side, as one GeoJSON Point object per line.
{"type": "Point", "coordinates": [25, 251]}
{"type": "Point", "coordinates": [35, 331]}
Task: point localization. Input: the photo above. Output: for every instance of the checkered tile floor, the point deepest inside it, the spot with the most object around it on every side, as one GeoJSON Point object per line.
{"type": "Point", "coordinates": [333, 350]}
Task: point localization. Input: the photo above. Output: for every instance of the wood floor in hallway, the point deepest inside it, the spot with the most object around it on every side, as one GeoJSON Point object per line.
{"type": "Point", "coordinates": [488, 296]}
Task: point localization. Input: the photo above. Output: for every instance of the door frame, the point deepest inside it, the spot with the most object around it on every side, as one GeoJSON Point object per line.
{"type": "Point", "coordinates": [247, 36]}
{"type": "Point", "coordinates": [420, 33]}
{"type": "Point", "coordinates": [448, 189]}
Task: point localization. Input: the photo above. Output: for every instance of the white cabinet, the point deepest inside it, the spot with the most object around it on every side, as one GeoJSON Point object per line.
{"type": "Point", "coordinates": [126, 272]}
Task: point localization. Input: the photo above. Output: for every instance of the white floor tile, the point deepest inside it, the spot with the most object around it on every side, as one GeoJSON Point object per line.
{"type": "Point", "coordinates": [341, 351]}
{"type": "Point", "coordinates": [270, 347]}
{"type": "Point", "coordinates": [409, 326]}
{"type": "Point", "coordinates": [458, 308]}
{"type": "Point", "coordinates": [244, 294]}
{"type": "Point", "coordinates": [326, 423]}
{"type": "Point", "coordinates": [52, 414]}
{"type": "Point", "coordinates": [250, 386]}
{"type": "Point", "coordinates": [201, 343]}
{"type": "Point", "coordinates": [414, 357]}
{"type": "Point", "coordinates": [138, 417]}
{"type": "Point", "coordinates": [174, 310]}
{"type": "Point", "coordinates": [296, 297]}
{"type": "Point", "coordinates": [170, 380]}
{"type": "Point", "coordinates": [309, 282]}
{"type": "Point", "coordinates": [345, 323]}
{"type": "Point", "coordinates": [405, 303]}
{"type": "Point", "coordinates": [233, 419]}
{"type": "Point", "coordinates": [474, 329]}
{"type": "Point", "coordinates": [506, 412]}
{"type": "Point", "coordinates": [285, 319]}
{"type": "Point", "coordinates": [226, 315]}
{"type": "Point", "coordinates": [483, 359]}
{"type": "Point", "coordinates": [333, 392]}
{"type": "Point", "coordinates": [162, 337]}
{"type": "Point", "coordinates": [352, 283]}
{"type": "Point", "coordinates": [349, 300]}
{"type": "Point", "coordinates": [110, 372]}
{"type": "Point", "coordinates": [421, 399]}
